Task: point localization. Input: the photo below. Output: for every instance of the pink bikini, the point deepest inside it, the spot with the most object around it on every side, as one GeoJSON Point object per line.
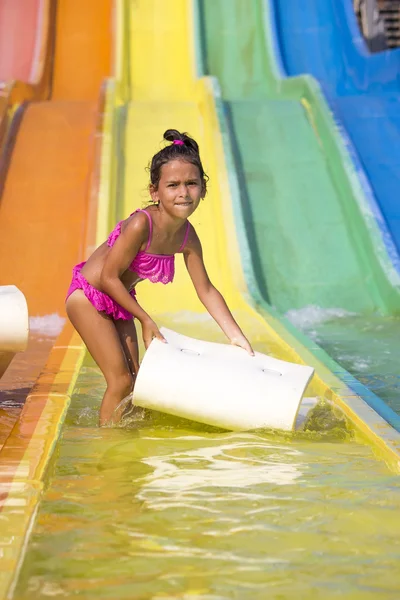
{"type": "Point", "coordinates": [155, 267]}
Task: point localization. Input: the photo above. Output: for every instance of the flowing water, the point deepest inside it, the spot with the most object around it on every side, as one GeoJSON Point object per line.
{"type": "Point", "coordinates": [167, 509]}
{"type": "Point", "coordinates": [367, 347]}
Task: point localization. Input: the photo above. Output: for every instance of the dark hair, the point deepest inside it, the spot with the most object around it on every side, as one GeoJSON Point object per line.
{"type": "Point", "coordinates": [188, 151]}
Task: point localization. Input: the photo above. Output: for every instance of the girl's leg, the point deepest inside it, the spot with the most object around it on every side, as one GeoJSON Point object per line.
{"type": "Point", "coordinates": [103, 342]}
{"type": "Point", "coordinates": [129, 342]}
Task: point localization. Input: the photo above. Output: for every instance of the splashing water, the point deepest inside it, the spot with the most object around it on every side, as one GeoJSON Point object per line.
{"type": "Point", "coordinates": [49, 325]}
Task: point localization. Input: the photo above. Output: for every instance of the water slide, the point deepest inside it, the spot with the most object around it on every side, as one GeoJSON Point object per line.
{"type": "Point", "coordinates": [156, 87]}
{"type": "Point", "coordinates": [54, 57]}
{"type": "Point", "coordinates": [313, 240]}
{"type": "Point", "coordinates": [362, 90]}
{"type": "Point", "coordinates": [48, 149]}
{"type": "Point", "coordinates": [322, 253]}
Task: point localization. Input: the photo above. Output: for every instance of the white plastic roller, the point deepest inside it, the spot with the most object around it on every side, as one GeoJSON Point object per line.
{"type": "Point", "coordinates": [14, 324]}
{"type": "Point", "coordinates": [219, 384]}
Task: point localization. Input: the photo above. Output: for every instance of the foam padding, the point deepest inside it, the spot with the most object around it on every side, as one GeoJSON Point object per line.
{"type": "Point", "coordinates": [219, 384]}
{"type": "Point", "coordinates": [14, 322]}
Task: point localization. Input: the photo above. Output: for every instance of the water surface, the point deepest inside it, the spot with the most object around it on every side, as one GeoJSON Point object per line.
{"type": "Point", "coordinates": [170, 509]}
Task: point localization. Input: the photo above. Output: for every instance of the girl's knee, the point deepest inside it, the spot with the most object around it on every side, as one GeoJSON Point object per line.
{"type": "Point", "coordinates": [121, 384]}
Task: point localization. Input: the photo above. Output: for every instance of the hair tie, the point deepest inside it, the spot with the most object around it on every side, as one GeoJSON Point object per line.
{"type": "Point", "coordinates": [178, 143]}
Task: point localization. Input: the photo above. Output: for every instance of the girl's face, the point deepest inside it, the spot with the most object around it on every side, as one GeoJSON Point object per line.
{"type": "Point", "coordinates": [180, 188]}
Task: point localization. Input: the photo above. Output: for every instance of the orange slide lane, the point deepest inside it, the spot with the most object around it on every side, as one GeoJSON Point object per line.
{"type": "Point", "coordinates": [44, 204]}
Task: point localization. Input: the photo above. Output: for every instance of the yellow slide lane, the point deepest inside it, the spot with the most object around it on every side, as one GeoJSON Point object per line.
{"type": "Point", "coordinates": [159, 84]}
{"type": "Point", "coordinates": [165, 94]}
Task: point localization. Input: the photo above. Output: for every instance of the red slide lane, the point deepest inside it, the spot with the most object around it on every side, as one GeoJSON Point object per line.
{"type": "Point", "coordinates": [20, 37]}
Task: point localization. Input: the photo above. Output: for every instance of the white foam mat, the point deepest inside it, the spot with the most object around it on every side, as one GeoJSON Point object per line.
{"type": "Point", "coordinates": [219, 384]}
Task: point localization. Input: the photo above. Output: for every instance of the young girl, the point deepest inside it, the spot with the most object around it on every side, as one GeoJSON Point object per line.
{"type": "Point", "coordinates": [101, 301]}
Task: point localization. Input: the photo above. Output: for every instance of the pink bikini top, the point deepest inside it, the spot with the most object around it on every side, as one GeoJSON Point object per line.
{"type": "Point", "coordinates": [155, 267]}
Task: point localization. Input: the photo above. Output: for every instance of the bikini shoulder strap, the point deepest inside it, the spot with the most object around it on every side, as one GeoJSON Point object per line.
{"type": "Point", "coordinates": [150, 227]}
{"type": "Point", "coordinates": [185, 238]}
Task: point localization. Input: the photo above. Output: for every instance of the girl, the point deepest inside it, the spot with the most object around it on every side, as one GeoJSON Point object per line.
{"type": "Point", "coordinates": [101, 301]}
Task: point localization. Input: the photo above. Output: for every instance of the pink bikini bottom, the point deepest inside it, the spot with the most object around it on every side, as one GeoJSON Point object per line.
{"type": "Point", "coordinates": [100, 300]}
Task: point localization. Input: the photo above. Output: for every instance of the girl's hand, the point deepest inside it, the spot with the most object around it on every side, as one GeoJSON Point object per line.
{"type": "Point", "coordinates": [244, 343]}
{"type": "Point", "coordinates": [151, 331]}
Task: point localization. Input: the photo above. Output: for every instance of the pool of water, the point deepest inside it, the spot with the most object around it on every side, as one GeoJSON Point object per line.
{"type": "Point", "coordinates": [367, 347]}
{"type": "Point", "coordinates": [168, 509]}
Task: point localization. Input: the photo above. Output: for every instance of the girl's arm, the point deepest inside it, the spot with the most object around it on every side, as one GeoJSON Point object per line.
{"type": "Point", "coordinates": [210, 296]}
{"type": "Point", "coordinates": [117, 262]}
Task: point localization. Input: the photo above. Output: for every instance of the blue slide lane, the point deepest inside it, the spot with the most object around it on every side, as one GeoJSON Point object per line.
{"type": "Point", "coordinates": [362, 89]}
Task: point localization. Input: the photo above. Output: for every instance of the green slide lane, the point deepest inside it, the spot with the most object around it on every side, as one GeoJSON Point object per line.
{"type": "Point", "coordinates": [309, 240]}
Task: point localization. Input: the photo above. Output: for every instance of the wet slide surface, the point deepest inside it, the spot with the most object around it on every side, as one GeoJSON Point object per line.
{"type": "Point", "coordinates": [44, 206]}
{"type": "Point", "coordinates": [168, 508]}
{"type": "Point", "coordinates": [362, 88]}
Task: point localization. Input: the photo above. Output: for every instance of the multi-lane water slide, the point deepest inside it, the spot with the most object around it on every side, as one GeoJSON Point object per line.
{"type": "Point", "coordinates": [155, 88]}
{"type": "Point", "coordinates": [54, 56]}
{"type": "Point", "coordinates": [318, 237]}
{"type": "Point", "coordinates": [362, 90]}
{"type": "Point", "coordinates": [48, 144]}
{"type": "Point", "coordinates": [315, 239]}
